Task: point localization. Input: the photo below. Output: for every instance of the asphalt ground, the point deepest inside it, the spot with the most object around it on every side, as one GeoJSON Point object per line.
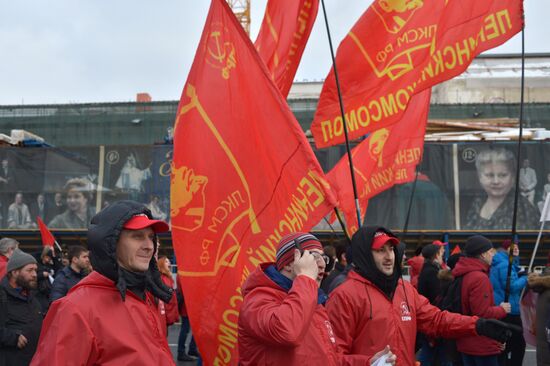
{"type": "Point", "coordinates": [174, 331]}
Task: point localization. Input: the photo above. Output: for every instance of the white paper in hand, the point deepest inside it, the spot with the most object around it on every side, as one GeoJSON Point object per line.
{"type": "Point", "coordinates": [382, 361]}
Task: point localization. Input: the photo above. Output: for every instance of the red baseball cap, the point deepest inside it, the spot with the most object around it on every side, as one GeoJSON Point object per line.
{"type": "Point", "coordinates": [439, 243]}
{"type": "Point", "coordinates": [142, 221]}
{"type": "Point", "coordinates": [381, 238]}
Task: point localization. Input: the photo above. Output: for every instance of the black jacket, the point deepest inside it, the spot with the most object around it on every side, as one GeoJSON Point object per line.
{"type": "Point", "coordinates": [428, 284]}
{"type": "Point", "coordinates": [338, 268]}
{"type": "Point", "coordinates": [19, 315]}
{"type": "Point", "coordinates": [44, 289]}
{"type": "Point", "coordinates": [64, 281]}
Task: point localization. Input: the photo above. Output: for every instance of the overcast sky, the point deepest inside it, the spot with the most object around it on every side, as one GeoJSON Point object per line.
{"type": "Point", "coordinates": [76, 51]}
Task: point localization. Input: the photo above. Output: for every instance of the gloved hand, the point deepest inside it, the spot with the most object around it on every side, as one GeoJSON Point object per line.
{"type": "Point", "coordinates": [495, 329]}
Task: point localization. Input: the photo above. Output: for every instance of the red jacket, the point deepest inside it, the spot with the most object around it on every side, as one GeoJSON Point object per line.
{"type": "Point", "coordinates": [171, 309]}
{"type": "Point", "coordinates": [477, 299]}
{"type": "Point", "coordinates": [3, 265]}
{"type": "Point", "coordinates": [415, 264]}
{"type": "Point", "coordinates": [286, 328]}
{"type": "Point", "coordinates": [365, 320]}
{"type": "Point", "coordinates": [93, 326]}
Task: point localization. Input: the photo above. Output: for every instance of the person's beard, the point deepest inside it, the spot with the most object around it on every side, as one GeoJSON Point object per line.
{"type": "Point", "coordinates": [27, 285]}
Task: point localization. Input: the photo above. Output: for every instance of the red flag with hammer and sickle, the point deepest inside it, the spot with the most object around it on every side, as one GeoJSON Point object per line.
{"type": "Point", "coordinates": [243, 176]}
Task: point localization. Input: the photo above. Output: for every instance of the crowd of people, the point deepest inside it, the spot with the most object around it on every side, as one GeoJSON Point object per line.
{"type": "Point", "coordinates": [114, 301]}
{"type": "Point", "coordinates": [116, 295]}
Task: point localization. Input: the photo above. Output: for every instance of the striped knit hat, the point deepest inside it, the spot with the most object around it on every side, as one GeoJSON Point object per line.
{"type": "Point", "coordinates": [285, 249]}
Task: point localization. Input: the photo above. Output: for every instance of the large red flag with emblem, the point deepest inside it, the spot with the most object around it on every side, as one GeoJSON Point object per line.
{"type": "Point", "coordinates": [283, 36]}
{"type": "Point", "coordinates": [401, 47]}
{"type": "Point", "coordinates": [386, 157]}
{"type": "Point", "coordinates": [243, 176]}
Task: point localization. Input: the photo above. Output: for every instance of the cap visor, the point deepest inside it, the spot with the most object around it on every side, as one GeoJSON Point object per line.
{"type": "Point", "coordinates": [381, 241]}
{"type": "Point", "coordinates": [141, 222]}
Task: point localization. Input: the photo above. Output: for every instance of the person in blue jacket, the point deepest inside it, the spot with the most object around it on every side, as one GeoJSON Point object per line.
{"type": "Point", "coordinates": [515, 347]}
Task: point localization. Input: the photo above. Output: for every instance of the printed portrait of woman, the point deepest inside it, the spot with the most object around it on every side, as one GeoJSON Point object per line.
{"type": "Point", "coordinates": [79, 211]}
{"type": "Point", "coordinates": [493, 209]}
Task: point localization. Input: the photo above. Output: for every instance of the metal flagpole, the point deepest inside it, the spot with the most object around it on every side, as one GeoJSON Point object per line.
{"type": "Point", "coordinates": [343, 117]}
{"type": "Point", "coordinates": [406, 226]}
{"type": "Point", "coordinates": [544, 215]}
{"type": "Point", "coordinates": [342, 224]}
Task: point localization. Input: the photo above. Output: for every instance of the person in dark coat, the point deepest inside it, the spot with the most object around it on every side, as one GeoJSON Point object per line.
{"type": "Point", "coordinates": [68, 277]}
{"type": "Point", "coordinates": [429, 286]}
{"type": "Point", "coordinates": [341, 277]}
{"type": "Point", "coordinates": [339, 266]}
{"type": "Point", "coordinates": [48, 266]}
{"type": "Point", "coordinates": [20, 313]}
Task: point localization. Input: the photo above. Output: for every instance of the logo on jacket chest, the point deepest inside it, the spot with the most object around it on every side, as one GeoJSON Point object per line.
{"type": "Point", "coordinates": [405, 313]}
{"type": "Point", "coordinates": [330, 332]}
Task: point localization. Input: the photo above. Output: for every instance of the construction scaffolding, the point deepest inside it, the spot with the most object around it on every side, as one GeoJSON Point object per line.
{"type": "Point", "coordinates": [241, 9]}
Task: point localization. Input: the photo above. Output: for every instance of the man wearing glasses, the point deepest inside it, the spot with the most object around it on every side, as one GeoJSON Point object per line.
{"type": "Point", "coordinates": [282, 319]}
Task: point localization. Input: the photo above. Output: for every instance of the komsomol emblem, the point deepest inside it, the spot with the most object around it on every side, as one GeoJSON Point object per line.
{"type": "Point", "coordinates": [220, 50]}
{"type": "Point", "coordinates": [189, 199]}
{"type": "Point", "coordinates": [377, 141]}
{"type": "Point", "coordinates": [212, 201]}
{"type": "Point", "coordinates": [396, 13]}
{"type": "Point", "coordinates": [397, 57]}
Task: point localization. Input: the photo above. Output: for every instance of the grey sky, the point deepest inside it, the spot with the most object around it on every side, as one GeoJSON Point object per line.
{"type": "Point", "coordinates": [65, 51]}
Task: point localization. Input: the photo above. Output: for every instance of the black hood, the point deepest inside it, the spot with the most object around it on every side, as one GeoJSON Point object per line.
{"type": "Point", "coordinates": [363, 261]}
{"type": "Point", "coordinates": [103, 235]}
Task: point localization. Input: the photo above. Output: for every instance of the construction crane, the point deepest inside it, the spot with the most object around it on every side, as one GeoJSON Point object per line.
{"type": "Point", "coordinates": [241, 9]}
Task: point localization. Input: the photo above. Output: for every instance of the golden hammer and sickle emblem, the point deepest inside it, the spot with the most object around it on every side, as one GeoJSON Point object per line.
{"type": "Point", "coordinates": [221, 54]}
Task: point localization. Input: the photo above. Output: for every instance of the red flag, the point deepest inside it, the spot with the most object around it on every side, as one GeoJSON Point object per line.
{"type": "Point", "coordinates": [456, 250]}
{"type": "Point", "coordinates": [47, 237]}
{"type": "Point", "coordinates": [399, 48]}
{"type": "Point", "coordinates": [283, 36]}
{"type": "Point", "coordinates": [243, 176]}
{"type": "Point", "coordinates": [387, 157]}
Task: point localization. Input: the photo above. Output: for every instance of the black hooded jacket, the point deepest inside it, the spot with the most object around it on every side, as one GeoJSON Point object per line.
{"type": "Point", "coordinates": [363, 261]}
{"type": "Point", "coordinates": [103, 235]}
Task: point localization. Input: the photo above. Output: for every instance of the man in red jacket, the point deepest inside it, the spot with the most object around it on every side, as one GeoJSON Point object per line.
{"type": "Point", "coordinates": [282, 319]}
{"type": "Point", "coordinates": [111, 316]}
{"type": "Point", "coordinates": [374, 307]}
{"type": "Point", "coordinates": [477, 299]}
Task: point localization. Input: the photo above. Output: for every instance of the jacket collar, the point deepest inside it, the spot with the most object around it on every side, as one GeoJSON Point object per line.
{"type": "Point", "coordinates": [286, 283]}
{"type": "Point", "coordinates": [18, 292]}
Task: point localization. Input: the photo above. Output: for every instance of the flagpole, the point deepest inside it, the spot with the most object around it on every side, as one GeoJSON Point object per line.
{"type": "Point", "coordinates": [516, 196]}
{"type": "Point", "coordinates": [344, 122]}
{"type": "Point", "coordinates": [342, 224]}
{"type": "Point", "coordinates": [58, 247]}
{"type": "Point", "coordinates": [406, 226]}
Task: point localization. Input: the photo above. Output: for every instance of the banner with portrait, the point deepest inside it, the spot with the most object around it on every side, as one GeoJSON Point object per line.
{"type": "Point", "coordinates": [452, 191]}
